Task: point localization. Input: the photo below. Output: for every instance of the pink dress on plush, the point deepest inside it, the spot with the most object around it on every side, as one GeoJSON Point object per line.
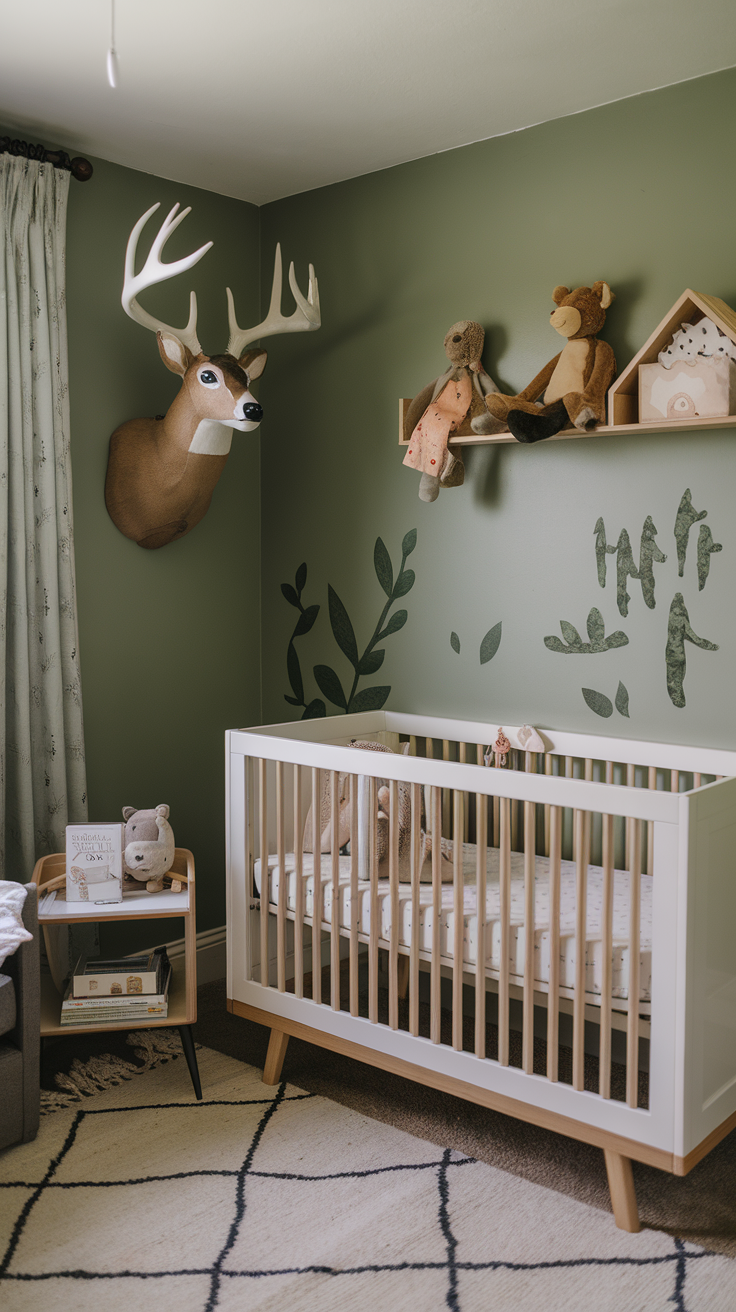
{"type": "Point", "coordinates": [428, 450]}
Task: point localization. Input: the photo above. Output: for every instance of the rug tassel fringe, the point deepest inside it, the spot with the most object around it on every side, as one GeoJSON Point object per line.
{"type": "Point", "coordinates": [151, 1047]}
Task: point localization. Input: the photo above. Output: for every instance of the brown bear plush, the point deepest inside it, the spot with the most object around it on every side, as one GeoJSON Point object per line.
{"type": "Point", "coordinates": [453, 403]}
{"type": "Point", "coordinates": [573, 386]}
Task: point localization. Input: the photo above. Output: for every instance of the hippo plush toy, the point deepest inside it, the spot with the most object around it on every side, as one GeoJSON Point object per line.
{"type": "Point", "coordinates": [149, 846]}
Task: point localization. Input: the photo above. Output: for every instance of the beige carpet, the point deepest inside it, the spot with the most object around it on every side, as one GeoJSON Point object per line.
{"type": "Point", "coordinates": [276, 1199]}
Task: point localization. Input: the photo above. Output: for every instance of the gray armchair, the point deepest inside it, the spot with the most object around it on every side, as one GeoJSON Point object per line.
{"type": "Point", "coordinates": [20, 1027]}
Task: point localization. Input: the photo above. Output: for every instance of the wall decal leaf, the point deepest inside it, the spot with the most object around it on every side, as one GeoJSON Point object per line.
{"type": "Point", "coordinates": [305, 621]}
{"type": "Point", "coordinates": [371, 662]}
{"type": "Point", "coordinates": [315, 710]}
{"type": "Point", "coordinates": [622, 700]}
{"type": "Point", "coordinates": [570, 634]}
{"type": "Point", "coordinates": [383, 567]}
{"type": "Point", "coordinates": [293, 670]}
{"type": "Point", "coordinates": [397, 621]}
{"type": "Point", "coordinates": [598, 702]}
{"type": "Point", "coordinates": [301, 577]}
{"type": "Point", "coordinates": [455, 642]}
{"type": "Point", "coordinates": [490, 643]}
{"type": "Point", "coordinates": [369, 699]}
{"type": "Point", "coordinates": [409, 542]}
{"type": "Point", "coordinates": [329, 684]}
{"type": "Point", "coordinates": [293, 701]}
{"type": "Point", "coordinates": [290, 595]}
{"type": "Point", "coordinates": [404, 583]}
{"type": "Point", "coordinates": [595, 626]}
{"type": "Point", "coordinates": [341, 627]}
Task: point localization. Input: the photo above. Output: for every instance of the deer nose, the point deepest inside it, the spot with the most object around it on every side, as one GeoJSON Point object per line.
{"type": "Point", "coordinates": [253, 412]}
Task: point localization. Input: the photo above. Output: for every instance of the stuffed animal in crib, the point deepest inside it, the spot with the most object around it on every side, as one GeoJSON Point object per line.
{"type": "Point", "coordinates": [149, 847]}
{"type": "Point", "coordinates": [382, 821]}
{"type": "Point", "coordinates": [572, 387]}
{"type": "Point", "coordinates": [453, 403]}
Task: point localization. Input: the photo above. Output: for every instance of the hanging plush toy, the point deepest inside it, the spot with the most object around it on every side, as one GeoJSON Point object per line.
{"type": "Point", "coordinates": [572, 387]}
{"type": "Point", "coordinates": [454, 403]}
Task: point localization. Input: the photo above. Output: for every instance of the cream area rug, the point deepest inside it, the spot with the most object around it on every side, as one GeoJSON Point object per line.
{"type": "Point", "coordinates": [271, 1198]}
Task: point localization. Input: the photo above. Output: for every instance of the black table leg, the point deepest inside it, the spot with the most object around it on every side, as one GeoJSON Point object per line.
{"type": "Point", "coordinates": [187, 1043]}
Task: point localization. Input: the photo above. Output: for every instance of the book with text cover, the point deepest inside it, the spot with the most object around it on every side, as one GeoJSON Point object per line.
{"type": "Point", "coordinates": [94, 863]}
{"type": "Point", "coordinates": [122, 978]}
{"type": "Point", "coordinates": [114, 1010]}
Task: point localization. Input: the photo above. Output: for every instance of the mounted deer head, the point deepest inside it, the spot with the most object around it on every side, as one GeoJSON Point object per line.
{"type": "Point", "coordinates": [161, 473]}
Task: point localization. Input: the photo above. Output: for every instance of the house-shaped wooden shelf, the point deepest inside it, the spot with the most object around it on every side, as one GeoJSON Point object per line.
{"type": "Point", "coordinates": [623, 396]}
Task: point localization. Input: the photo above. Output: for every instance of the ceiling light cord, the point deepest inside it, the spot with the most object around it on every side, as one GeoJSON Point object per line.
{"type": "Point", "coordinates": [112, 54]}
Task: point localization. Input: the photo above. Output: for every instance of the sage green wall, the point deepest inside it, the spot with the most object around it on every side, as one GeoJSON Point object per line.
{"type": "Point", "coordinates": [640, 193]}
{"type": "Point", "coordinates": [169, 639]}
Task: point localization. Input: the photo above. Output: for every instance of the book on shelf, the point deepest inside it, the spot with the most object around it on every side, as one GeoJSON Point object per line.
{"type": "Point", "coordinates": [94, 863]}
{"type": "Point", "coordinates": [98, 1011]}
{"type": "Point", "coordinates": [125, 977]}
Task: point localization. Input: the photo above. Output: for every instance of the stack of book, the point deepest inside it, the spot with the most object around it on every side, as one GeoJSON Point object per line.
{"type": "Point", "coordinates": [125, 991]}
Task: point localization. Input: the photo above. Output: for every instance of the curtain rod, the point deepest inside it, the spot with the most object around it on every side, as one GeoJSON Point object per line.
{"type": "Point", "coordinates": [81, 169]}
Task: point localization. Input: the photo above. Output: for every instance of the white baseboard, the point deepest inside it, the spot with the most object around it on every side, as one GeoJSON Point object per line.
{"type": "Point", "coordinates": [211, 954]}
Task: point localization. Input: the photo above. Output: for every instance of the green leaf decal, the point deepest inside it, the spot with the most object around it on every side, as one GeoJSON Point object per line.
{"type": "Point", "coordinates": [404, 583]}
{"type": "Point", "coordinates": [622, 700]}
{"type": "Point", "coordinates": [370, 699]}
{"type": "Point", "coordinates": [342, 628]}
{"type": "Point", "coordinates": [595, 626]}
{"type": "Point", "coordinates": [570, 633]}
{"type": "Point", "coordinates": [329, 684]}
{"type": "Point", "coordinates": [383, 567]}
{"type": "Point", "coordinates": [290, 595]}
{"type": "Point", "coordinates": [409, 542]}
{"type": "Point", "coordinates": [293, 701]}
{"type": "Point", "coordinates": [371, 662]}
{"type": "Point", "coordinates": [455, 642]}
{"type": "Point", "coordinates": [397, 621]}
{"type": "Point", "coordinates": [598, 702]}
{"type": "Point", "coordinates": [315, 710]}
{"type": "Point", "coordinates": [295, 674]}
{"type": "Point", "coordinates": [301, 577]}
{"type": "Point", "coordinates": [305, 621]}
{"type": "Point", "coordinates": [490, 643]}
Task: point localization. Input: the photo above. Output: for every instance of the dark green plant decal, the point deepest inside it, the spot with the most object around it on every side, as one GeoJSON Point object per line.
{"type": "Point", "coordinates": [596, 633]}
{"type": "Point", "coordinates": [598, 702]}
{"type": "Point", "coordinates": [602, 550]}
{"type": "Point", "coordinates": [706, 548]}
{"type": "Point", "coordinates": [316, 708]}
{"type": "Point", "coordinates": [491, 643]}
{"type": "Point", "coordinates": [455, 642]}
{"type": "Point", "coordinates": [622, 700]}
{"type": "Point", "coordinates": [371, 660]}
{"type": "Point", "coordinates": [649, 554]}
{"type": "Point", "coordinates": [679, 630]}
{"type": "Point", "coordinates": [684, 519]}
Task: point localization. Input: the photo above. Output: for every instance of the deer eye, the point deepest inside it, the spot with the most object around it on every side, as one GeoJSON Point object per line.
{"type": "Point", "coordinates": [209, 378]}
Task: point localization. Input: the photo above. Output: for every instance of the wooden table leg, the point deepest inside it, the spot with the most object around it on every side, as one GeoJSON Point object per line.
{"type": "Point", "coordinates": [623, 1193]}
{"type": "Point", "coordinates": [277, 1046]}
{"type": "Point", "coordinates": [187, 1043]}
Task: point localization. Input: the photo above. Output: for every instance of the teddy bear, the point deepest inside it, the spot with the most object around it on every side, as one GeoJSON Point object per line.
{"type": "Point", "coordinates": [453, 403]}
{"type": "Point", "coordinates": [573, 385]}
{"type": "Point", "coordinates": [149, 846]}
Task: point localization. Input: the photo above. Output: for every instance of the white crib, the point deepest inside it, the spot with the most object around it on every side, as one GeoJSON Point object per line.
{"type": "Point", "coordinates": [615, 859]}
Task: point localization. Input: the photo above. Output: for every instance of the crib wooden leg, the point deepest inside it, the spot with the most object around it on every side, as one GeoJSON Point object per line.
{"type": "Point", "coordinates": [623, 1193]}
{"type": "Point", "coordinates": [403, 976]}
{"type": "Point", "coordinates": [277, 1045]}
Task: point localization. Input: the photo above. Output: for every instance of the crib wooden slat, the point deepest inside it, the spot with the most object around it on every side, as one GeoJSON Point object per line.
{"type": "Point", "coordinates": [481, 841]}
{"type": "Point", "coordinates": [446, 793]}
{"type": "Point", "coordinates": [435, 979]}
{"type": "Point", "coordinates": [630, 783]}
{"type": "Point", "coordinates": [582, 844]}
{"type": "Point", "coordinates": [674, 781]}
{"type": "Point", "coordinates": [335, 883]}
{"type": "Point", "coordinates": [263, 826]}
{"type": "Point", "coordinates": [504, 889]}
{"type": "Point", "coordinates": [415, 857]}
{"type": "Point", "coordinates": [354, 926]}
{"type": "Point", "coordinates": [632, 1029]}
{"type": "Point", "coordinates": [553, 1010]}
{"type": "Point", "coordinates": [462, 756]}
{"type": "Point", "coordinates": [527, 1057]}
{"type": "Point", "coordinates": [604, 1063]}
{"type": "Point", "coordinates": [515, 808]}
{"type": "Point", "coordinates": [547, 770]}
{"type": "Point", "coordinates": [281, 907]}
{"type": "Point", "coordinates": [299, 886]}
{"type": "Point", "coordinates": [316, 885]}
{"type": "Point", "coordinates": [393, 879]}
{"type": "Point", "coordinates": [373, 873]}
{"type": "Point", "coordinates": [458, 909]}
{"type": "Point", "coordinates": [569, 773]}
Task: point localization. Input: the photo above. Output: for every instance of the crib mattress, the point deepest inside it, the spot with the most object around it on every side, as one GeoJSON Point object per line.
{"type": "Point", "coordinates": [491, 952]}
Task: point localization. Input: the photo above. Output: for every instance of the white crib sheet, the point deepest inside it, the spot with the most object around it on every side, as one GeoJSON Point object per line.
{"type": "Point", "coordinates": [594, 956]}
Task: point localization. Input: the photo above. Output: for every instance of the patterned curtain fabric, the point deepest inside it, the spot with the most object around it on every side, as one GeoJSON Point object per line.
{"type": "Point", "coordinates": [42, 768]}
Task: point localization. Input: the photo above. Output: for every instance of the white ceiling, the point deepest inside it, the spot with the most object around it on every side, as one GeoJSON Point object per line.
{"type": "Point", "coordinates": [262, 100]}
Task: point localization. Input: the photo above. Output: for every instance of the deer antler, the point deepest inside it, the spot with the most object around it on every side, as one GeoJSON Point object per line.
{"type": "Point", "coordinates": [305, 318]}
{"type": "Point", "coordinates": [155, 271]}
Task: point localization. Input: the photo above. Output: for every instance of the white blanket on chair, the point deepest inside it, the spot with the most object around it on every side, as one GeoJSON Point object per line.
{"type": "Point", "coordinates": [12, 930]}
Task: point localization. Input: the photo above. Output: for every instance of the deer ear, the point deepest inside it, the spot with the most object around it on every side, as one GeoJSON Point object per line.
{"type": "Point", "coordinates": [175, 355]}
{"type": "Point", "coordinates": [253, 362]}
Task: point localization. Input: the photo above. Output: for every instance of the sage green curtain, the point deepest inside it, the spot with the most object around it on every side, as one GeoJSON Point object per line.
{"type": "Point", "coordinates": [42, 768]}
